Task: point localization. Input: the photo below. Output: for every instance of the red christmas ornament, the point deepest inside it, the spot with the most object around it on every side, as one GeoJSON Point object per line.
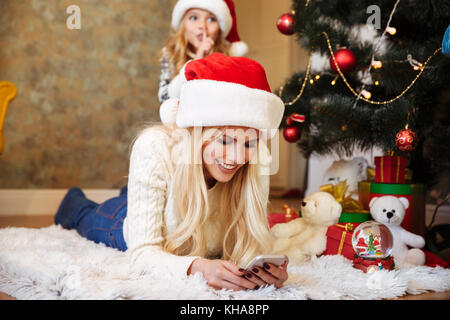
{"type": "Point", "coordinates": [292, 134]}
{"type": "Point", "coordinates": [406, 139]}
{"type": "Point", "coordinates": [285, 23]}
{"type": "Point", "coordinates": [345, 59]}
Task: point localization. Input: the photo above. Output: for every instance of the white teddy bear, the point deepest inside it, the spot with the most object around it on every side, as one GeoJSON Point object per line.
{"type": "Point", "coordinates": [304, 237]}
{"type": "Point", "coordinates": [390, 211]}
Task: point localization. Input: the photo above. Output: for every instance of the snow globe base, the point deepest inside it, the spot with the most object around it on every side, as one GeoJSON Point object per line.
{"type": "Point", "coordinates": [369, 265]}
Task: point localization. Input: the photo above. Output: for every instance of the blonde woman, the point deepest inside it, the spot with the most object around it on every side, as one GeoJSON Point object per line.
{"type": "Point", "coordinates": [199, 28]}
{"type": "Point", "coordinates": [198, 186]}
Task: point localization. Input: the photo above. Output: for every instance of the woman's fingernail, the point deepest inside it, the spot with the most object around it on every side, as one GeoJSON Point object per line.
{"type": "Point", "coordinates": [256, 288]}
{"type": "Point", "coordinates": [248, 275]}
{"type": "Point", "coordinates": [255, 270]}
{"type": "Point", "coordinates": [266, 266]}
{"type": "Point", "coordinates": [241, 270]}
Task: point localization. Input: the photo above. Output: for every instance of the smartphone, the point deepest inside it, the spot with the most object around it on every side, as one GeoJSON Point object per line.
{"type": "Point", "coordinates": [276, 259]}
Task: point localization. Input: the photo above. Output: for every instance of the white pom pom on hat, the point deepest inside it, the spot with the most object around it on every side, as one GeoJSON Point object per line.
{"type": "Point", "coordinates": [238, 49]}
{"type": "Point", "coordinates": [168, 111]}
{"type": "Point", "coordinates": [225, 12]}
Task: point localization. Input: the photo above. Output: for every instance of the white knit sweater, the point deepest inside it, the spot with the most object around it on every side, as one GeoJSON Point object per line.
{"type": "Point", "coordinates": [151, 214]}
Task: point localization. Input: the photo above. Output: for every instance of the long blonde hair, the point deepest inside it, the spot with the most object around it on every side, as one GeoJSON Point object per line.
{"type": "Point", "coordinates": [242, 206]}
{"type": "Point", "coordinates": [178, 51]}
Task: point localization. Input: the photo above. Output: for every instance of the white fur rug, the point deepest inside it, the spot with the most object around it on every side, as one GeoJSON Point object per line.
{"type": "Point", "coordinates": [53, 263]}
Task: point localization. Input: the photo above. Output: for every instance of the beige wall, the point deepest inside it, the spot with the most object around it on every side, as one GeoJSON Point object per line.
{"type": "Point", "coordinates": [84, 93]}
{"type": "Point", "coordinates": [281, 56]}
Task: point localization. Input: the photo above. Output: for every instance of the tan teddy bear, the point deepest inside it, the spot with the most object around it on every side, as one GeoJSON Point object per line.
{"type": "Point", "coordinates": [304, 237]}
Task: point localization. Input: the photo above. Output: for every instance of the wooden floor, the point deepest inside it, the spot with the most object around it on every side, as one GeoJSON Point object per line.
{"type": "Point", "coordinates": [275, 206]}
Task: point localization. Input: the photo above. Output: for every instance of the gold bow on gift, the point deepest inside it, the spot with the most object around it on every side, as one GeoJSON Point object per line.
{"type": "Point", "coordinates": [339, 192]}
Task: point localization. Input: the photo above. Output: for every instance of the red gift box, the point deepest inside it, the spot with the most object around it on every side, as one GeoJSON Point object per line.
{"type": "Point", "coordinates": [390, 169]}
{"type": "Point", "coordinates": [339, 240]}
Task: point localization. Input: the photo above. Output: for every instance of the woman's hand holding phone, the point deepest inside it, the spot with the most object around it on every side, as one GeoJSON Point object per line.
{"type": "Point", "coordinates": [268, 274]}
{"type": "Point", "coordinates": [221, 274]}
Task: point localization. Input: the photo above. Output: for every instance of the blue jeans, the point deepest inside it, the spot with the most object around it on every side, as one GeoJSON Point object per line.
{"type": "Point", "coordinates": [101, 223]}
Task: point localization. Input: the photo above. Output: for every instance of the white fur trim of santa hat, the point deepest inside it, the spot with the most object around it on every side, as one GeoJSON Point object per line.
{"type": "Point", "coordinates": [218, 7]}
{"type": "Point", "coordinates": [205, 103]}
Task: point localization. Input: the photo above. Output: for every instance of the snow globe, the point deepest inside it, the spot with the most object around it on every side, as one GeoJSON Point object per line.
{"type": "Point", "coordinates": [372, 242]}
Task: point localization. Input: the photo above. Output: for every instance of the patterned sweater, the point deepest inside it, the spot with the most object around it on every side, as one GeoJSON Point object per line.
{"type": "Point", "coordinates": [168, 87]}
{"type": "Point", "coordinates": [151, 212]}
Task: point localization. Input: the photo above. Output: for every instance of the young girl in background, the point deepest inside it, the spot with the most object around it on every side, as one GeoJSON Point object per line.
{"type": "Point", "coordinates": [197, 190]}
{"type": "Point", "coordinates": [199, 28]}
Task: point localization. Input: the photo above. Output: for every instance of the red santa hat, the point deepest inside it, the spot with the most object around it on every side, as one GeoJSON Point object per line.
{"type": "Point", "coordinates": [222, 90]}
{"type": "Point", "coordinates": [226, 15]}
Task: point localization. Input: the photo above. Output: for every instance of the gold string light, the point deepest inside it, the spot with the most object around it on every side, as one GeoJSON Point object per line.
{"type": "Point", "coordinates": [348, 85]}
{"type": "Point", "coordinates": [280, 93]}
{"type": "Point", "coordinates": [365, 99]}
{"type": "Point", "coordinates": [378, 64]}
{"type": "Point", "coordinates": [333, 82]}
{"type": "Point", "coordinates": [366, 94]}
{"type": "Point", "coordinates": [391, 30]}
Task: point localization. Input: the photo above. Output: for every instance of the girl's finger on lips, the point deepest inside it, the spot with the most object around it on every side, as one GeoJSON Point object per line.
{"type": "Point", "coordinates": [208, 47]}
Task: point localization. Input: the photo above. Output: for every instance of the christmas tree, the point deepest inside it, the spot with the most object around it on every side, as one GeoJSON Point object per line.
{"type": "Point", "coordinates": [390, 73]}
{"type": "Point", "coordinates": [370, 246]}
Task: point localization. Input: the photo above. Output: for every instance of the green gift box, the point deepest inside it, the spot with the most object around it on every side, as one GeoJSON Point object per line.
{"type": "Point", "coordinates": [414, 220]}
{"type": "Point", "coordinates": [354, 217]}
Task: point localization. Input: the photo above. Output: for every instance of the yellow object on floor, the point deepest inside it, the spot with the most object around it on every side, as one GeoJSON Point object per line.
{"type": "Point", "coordinates": [8, 91]}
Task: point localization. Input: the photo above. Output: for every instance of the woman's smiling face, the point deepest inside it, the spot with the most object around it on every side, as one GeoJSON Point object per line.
{"type": "Point", "coordinates": [227, 151]}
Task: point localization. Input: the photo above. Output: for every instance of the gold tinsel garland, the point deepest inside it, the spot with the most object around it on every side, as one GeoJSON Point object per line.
{"type": "Point", "coordinates": [280, 92]}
